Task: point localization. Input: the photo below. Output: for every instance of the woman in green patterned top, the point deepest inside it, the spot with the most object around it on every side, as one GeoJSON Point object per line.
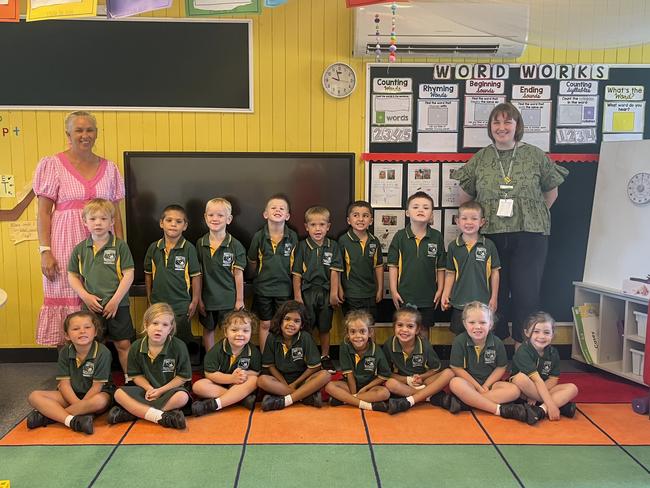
{"type": "Point", "coordinates": [516, 183]}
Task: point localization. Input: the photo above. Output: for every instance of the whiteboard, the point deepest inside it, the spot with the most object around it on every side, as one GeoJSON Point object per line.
{"type": "Point", "coordinates": [619, 234]}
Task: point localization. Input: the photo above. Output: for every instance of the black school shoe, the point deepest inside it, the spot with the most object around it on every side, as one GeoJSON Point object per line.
{"type": "Point", "coordinates": [454, 404]}
{"type": "Point", "coordinates": [568, 410]}
{"type": "Point", "coordinates": [335, 403]}
{"type": "Point", "coordinates": [201, 407]}
{"type": "Point", "coordinates": [379, 406]}
{"type": "Point", "coordinates": [272, 402]}
{"type": "Point", "coordinates": [397, 405]}
{"type": "Point", "coordinates": [173, 419]}
{"type": "Point", "coordinates": [327, 364]}
{"type": "Point", "coordinates": [37, 419]}
{"type": "Point", "coordinates": [523, 413]}
{"type": "Point", "coordinates": [537, 411]}
{"type": "Point", "coordinates": [313, 400]}
{"type": "Point", "coordinates": [249, 401]}
{"type": "Point", "coordinates": [82, 423]}
{"type": "Point", "coordinates": [118, 415]}
{"type": "Point", "coordinates": [440, 399]}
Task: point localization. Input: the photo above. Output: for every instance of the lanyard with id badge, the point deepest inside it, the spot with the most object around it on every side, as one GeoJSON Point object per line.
{"type": "Point", "coordinates": [505, 204]}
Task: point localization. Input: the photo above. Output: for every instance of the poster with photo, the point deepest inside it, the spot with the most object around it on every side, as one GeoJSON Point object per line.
{"type": "Point", "coordinates": [424, 177]}
{"type": "Point", "coordinates": [386, 185]}
{"type": "Point", "coordinates": [386, 224]}
{"type": "Point", "coordinates": [450, 188]}
{"type": "Point", "coordinates": [437, 220]}
{"type": "Point", "coordinates": [451, 229]}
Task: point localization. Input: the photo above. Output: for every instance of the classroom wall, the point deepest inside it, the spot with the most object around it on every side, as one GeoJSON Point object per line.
{"type": "Point", "coordinates": [291, 47]}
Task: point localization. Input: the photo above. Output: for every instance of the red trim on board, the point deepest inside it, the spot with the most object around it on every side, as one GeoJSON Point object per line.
{"type": "Point", "coordinates": [462, 157]}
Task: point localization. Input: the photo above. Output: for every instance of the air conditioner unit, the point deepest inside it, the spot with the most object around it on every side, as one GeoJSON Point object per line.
{"type": "Point", "coordinates": [423, 29]}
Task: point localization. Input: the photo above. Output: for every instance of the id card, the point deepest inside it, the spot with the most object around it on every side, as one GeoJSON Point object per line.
{"type": "Point", "coordinates": [505, 207]}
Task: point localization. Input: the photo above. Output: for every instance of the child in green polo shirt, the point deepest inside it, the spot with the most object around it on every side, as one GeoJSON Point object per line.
{"type": "Point", "coordinates": [416, 260]}
{"type": "Point", "coordinates": [159, 365]}
{"type": "Point", "coordinates": [536, 370]}
{"type": "Point", "coordinates": [85, 387]}
{"type": "Point", "coordinates": [362, 281]}
{"type": "Point", "coordinates": [364, 366]}
{"type": "Point", "coordinates": [472, 267]}
{"type": "Point", "coordinates": [417, 372]}
{"type": "Point", "coordinates": [171, 270]}
{"type": "Point", "coordinates": [270, 255]}
{"type": "Point", "coordinates": [100, 271]}
{"type": "Point", "coordinates": [231, 367]}
{"type": "Point", "coordinates": [223, 260]}
{"type": "Point", "coordinates": [316, 267]}
{"type": "Point", "coordinates": [291, 356]}
{"type": "Point", "coordinates": [478, 360]}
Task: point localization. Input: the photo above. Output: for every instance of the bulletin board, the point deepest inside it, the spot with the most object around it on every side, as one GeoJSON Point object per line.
{"type": "Point", "coordinates": [421, 125]}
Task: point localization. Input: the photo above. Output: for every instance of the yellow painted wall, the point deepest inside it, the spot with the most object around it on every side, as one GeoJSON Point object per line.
{"type": "Point", "coordinates": [292, 45]}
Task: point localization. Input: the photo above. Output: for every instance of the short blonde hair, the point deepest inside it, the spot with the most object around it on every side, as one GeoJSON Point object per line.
{"type": "Point", "coordinates": [239, 316]}
{"type": "Point", "coordinates": [155, 310]}
{"type": "Point", "coordinates": [317, 211]}
{"type": "Point", "coordinates": [481, 307]}
{"type": "Point", "coordinates": [219, 201]}
{"type": "Point", "coordinates": [98, 205]}
{"type": "Point", "coordinates": [78, 113]}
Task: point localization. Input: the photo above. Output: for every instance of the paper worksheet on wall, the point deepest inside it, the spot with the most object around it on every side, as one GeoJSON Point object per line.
{"type": "Point", "coordinates": [392, 110]}
{"type": "Point", "coordinates": [438, 115]}
{"type": "Point", "coordinates": [478, 108]}
{"type": "Point", "coordinates": [577, 111]}
{"type": "Point", "coordinates": [424, 177]}
{"type": "Point", "coordinates": [386, 185]}
{"type": "Point", "coordinates": [386, 225]}
{"type": "Point", "coordinates": [624, 117]}
{"type": "Point", "coordinates": [450, 191]}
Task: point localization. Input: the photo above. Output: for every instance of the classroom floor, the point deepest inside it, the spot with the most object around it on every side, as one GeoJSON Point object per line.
{"type": "Point", "coordinates": [606, 444]}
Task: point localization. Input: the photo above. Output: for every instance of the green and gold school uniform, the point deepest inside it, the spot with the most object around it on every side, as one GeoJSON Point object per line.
{"type": "Point", "coordinates": [173, 360]}
{"type": "Point", "coordinates": [422, 359]}
{"type": "Point", "coordinates": [314, 263]}
{"type": "Point", "coordinates": [360, 259]}
{"type": "Point", "coordinates": [291, 361]}
{"type": "Point", "coordinates": [417, 262]}
{"type": "Point", "coordinates": [478, 362]}
{"type": "Point", "coordinates": [528, 361]}
{"type": "Point", "coordinates": [221, 359]}
{"type": "Point", "coordinates": [102, 270]}
{"type": "Point", "coordinates": [365, 367]}
{"type": "Point", "coordinates": [82, 373]}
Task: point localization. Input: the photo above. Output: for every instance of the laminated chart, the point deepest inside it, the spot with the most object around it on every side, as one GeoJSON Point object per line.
{"type": "Point", "coordinates": [577, 111]}
{"type": "Point", "coordinates": [392, 109]}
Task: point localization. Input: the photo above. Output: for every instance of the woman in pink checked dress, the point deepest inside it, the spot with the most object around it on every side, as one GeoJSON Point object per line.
{"type": "Point", "coordinates": [63, 183]}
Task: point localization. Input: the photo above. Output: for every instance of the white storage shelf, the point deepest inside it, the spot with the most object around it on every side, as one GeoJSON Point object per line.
{"type": "Point", "coordinates": [614, 353]}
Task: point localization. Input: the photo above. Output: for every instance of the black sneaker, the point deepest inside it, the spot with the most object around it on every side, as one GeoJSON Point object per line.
{"type": "Point", "coordinates": [380, 406]}
{"type": "Point", "coordinates": [396, 405]}
{"type": "Point", "coordinates": [272, 402]}
{"type": "Point", "coordinates": [313, 400]}
{"type": "Point", "coordinates": [249, 402]}
{"type": "Point", "coordinates": [335, 403]}
{"type": "Point", "coordinates": [517, 412]}
{"type": "Point", "coordinates": [327, 364]}
{"type": "Point", "coordinates": [440, 399]}
{"type": "Point", "coordinates": [82, 423]}
{"type": "Point", "coordinates": [538, 412]}
{"type": "Point", "coordinates": [568, 410]}
{"type": "Point", "coordinates": [201, 407]}
{"type": "Point", "coordinates": [37, 419]}
{"type": "Point", "coordinates": [454, 404]}
{"type": "Point", "coordinates": [117, 415]}
{"type": "Point", "coordinates": [173, 419]}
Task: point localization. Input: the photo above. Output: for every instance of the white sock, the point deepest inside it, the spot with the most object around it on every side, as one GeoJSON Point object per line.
{"type": "Point", "coordinates": [498, 412]}
{"type": "Point", "coordinates": [410, 400]}
{"type": "Point", "coordinates": [365, 405]}
{"type": "Point", "coordinates": [67, 420]}
{"type": "Point", "coordinates": [288, 400]}
{"type": "Point", "coordinates": [218, 400]}
{"type": "Point", "coordinates": [126, 378]}
{"type": "Point", "coordinates": [543, 407]}
{"type": "Point", "coordinates": [153, 415]}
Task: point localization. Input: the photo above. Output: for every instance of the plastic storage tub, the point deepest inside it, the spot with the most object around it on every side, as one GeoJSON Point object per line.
{"type": "Point", "coordinates": [637, 361]}
{"type": "Point", "coordinates": [641, 322]}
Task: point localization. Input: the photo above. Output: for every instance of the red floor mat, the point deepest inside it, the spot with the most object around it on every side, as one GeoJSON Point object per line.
{"type": "Point", "coordinates": [603, 388]}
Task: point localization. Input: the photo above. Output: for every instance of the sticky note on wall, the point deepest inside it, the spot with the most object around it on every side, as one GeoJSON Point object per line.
{"type": "Point", "coordinates": [623, 121]}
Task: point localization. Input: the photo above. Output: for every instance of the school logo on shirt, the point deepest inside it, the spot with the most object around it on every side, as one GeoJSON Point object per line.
{"type": "Point", "coordinates": [417, 360]}
{"type": "Point", "coordinates": [546, 367]}
{"type": "Point", "coordinates": [179, 263]}
{"type": "Point", "coordinates": [490, 356]}
{"type": "Point", "coordinates": [228, 258]}
{"type": "Point", "coordinates": [327, 258]}
{"type": "Point", "coordinates": [432, 250]}
{"type": "Point", "coordinates": [287, 249]}
{"type": "Point", "coordinates": [372, 249]}
{"type": "Point", "coordinates": [88, 369]}
{"type": "Point", "coordinates": [110, 256]}
{"type": "Point", "coordinates": [481, 254]}
{"type": "Point", "coordinates": [244, 363]}
{"type": "Point", "coordinates": [369, 364]}
{"type": "Point", "coordinates": [296, 353]}
{"type": "Point", "coordinates": [169, 365]}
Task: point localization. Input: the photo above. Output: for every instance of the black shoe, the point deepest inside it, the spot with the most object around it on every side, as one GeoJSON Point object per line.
{"type": "Point", "coordinates": [327, 364]}
{"type": "Point", "coordinates": [568, 410]}
{"type": "Point", "coordinates": [174, 419]}
{"type": "Point", "coordinates": [37, 419]}
{"type": "Point", "coordinates": [440, 399]}
{"type": "Point", "coordinates": [538, 412]}
{"type": "Point", "coordinates": [335, 403]}
{"type": "Point", "coordinates": [454, 405]}
{"type": "Point", "coordinates": [396, 405]}
{"type": "Point", "coordinates": [82, 423]}
{"type": "Point", "coordinates": [272, 402]}
{"type": "Point", "coordinates": [249, 401]}
{"type": "Point", "coordinates": [517, 412]}
{"type": "Point", "coordinates": [379, 406]}
{"type": "Point", "coordinates": [201, 407]}
{"type": "Point", "coordinates": [313, 400]}
{"type": "Point", "coordinates": [117, 415]}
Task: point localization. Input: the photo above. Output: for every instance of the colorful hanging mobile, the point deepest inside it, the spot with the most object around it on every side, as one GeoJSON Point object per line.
{"type": "Point", "coordinates": [378, 46]}
{"type": "Point", "coordinates": [393, 37]}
